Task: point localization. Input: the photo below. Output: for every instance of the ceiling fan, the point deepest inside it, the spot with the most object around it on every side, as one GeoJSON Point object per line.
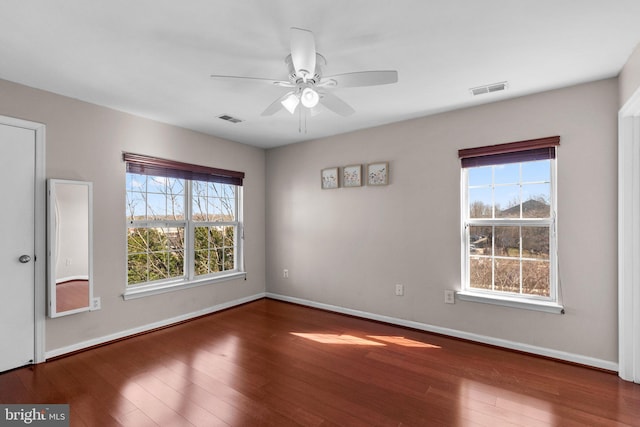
{"type": "Point", "coordinates": [309, 87]}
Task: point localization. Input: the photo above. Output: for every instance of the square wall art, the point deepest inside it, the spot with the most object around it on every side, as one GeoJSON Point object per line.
{"type": "Point", "coordinates": [378, 173]}
{"type": "Point", "coordinates": [352, 176]}
{"type": "Point", "coordinates": [329, 178]}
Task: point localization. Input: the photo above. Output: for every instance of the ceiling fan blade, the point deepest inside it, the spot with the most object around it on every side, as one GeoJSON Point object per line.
{"type": "Point", "coordinates": [271, 81]}
{"type": "Point", "coordinates": [362, 78]}
{"type": "Point", "coordinates": [303, 52]}
{"type": "Point", "coordinates": [276, 105]}
{"type": "Point", "coordinates": [336, 104]}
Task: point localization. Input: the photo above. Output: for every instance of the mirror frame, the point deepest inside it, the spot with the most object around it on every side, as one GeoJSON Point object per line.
{"type": "Point", "coordinates": [52, 242]}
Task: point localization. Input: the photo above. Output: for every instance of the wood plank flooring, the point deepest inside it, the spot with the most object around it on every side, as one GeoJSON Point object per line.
{"type": "Point", "coordinates": [277, 364]}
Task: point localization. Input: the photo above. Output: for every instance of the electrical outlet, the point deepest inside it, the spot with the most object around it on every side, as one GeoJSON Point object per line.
{"type": "Point", "coordinates": [285, 273]}
{"type": "Point", "coordinates": [449, 296]}
{"type": "Point", "coordinates": [67, 261]}
{"type": "Point", "coordinates": [399, 290]}
{"type": "Point", "coordinates": [95, 304]}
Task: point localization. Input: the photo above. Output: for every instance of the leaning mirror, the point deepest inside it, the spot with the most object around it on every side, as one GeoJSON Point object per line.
{"type": "Point", "coordinates": [69, 261]}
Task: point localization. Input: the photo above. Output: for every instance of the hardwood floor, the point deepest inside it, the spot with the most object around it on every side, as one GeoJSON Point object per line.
{"type": "Point", "coordinates": [277, 364]}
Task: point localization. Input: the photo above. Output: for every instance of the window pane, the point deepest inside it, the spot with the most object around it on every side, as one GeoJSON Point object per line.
{"type": "Point", "coordinates": [480, 240]}
{"type": "Point", "coordinates": [507, 275]}
{"type": "Point", "coordinates": [136, 206]}
{"type": "Point", "coordinates": [176, 263]}
{"type": "Point", "coordinates": [175, 186]}
{"type": "Point", "coordinates": [155, 253]}
{"type": "Point", "coordinates": [535, 278]}
{"type": "Point", "coordinates": [201, 238]}
{"type": "Point", "coordinates": [137, 269]}
{"type": "Point", "coordinates": [214, 189]}
{"type": "Point", "coordinates": [156, 206]}
{"type": "Point", "coordinates": [507, 241]}
{"type": "Point", "coordinates": [218, 257]}
{"type": "Point", "coordinates": [212, 208]}
{"type": "Point", "coordinates": [507, 199]}
{"type": "Point", "coordinates": [217, 237]}
{"type": "Point", "coordinates": [480, 272]}
{"type": "Point", "coordinates": [137, 240]}
{"type": "Point", "coordinates": [158, 266]}
{"type": "Point", "coordinates": [175, 238]}
{"type": "Point", "coordinates": [539, 171]}
{"type": "Point", "coordinates": [136, 182]}
{"type": "Point", "coordinates": [480, 176]}
{"type": "Point", "coordinates": [202, 262]}
{"type": "Point", "coordinates": [228, 259]}
{"type": "Point", "coordinates": [175, 207]}
{"type": "Point", "coordinates": [535, 242]}
{"type": "Point", "coordinates": [215, 249]}
{"type": "Point", "coordinates": [507, 174]}
{"type": "Point", "coordinates": [228, 209]}
{"type": "Point", "coordinates": [228, 236]}
{"type": "Point", "coordinates": [537, 204]}
{"type": "Point", "coordinates": [156, 184]}
{"type": "Point", "coordinates": [199, 201]}
{"type": "Point", "coordinates": [480, 202]}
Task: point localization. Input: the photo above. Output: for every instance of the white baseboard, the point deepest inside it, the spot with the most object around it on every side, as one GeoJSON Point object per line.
{"type": "Point", "coordinates": [166, 322]}
{"type": "Point", "coordinates": [512, 345]}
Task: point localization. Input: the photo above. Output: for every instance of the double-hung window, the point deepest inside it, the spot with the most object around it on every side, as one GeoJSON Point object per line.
{"type": "Point", "coordinates": [509, 224]}
{"type": "Point", "coordinates": [184, 225]}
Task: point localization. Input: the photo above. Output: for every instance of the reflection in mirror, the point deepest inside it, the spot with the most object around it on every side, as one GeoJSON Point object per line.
{"type": "Point", "coordinates": [69, 261]}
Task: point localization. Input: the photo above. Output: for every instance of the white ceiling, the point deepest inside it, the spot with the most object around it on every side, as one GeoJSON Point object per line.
{"type": "Point", "coordinates": [153, 58]}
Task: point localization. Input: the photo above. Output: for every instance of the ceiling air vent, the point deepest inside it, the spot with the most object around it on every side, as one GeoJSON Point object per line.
{"type": "Point", "coordinates": [494, 87]}
{"type": "Point", "coordinates": [230, 118]}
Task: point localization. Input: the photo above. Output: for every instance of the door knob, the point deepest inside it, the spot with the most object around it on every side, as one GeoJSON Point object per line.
{"type": "Point", "coordinates": [24, 259]}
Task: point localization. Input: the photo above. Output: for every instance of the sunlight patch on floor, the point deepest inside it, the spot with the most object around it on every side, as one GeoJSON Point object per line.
{"type": "Point", "coordinates": [337, 339]}
{"type": "Point", "coordinates": [374, 340]}
{"type": "Point", "coordinates": [405, 342]}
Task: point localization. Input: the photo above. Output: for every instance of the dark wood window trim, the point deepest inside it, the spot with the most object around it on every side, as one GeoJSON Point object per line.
{"type": "Point", "coordinates": [147, 165]}
{"type": "Point", "coordinates": [512, 152]}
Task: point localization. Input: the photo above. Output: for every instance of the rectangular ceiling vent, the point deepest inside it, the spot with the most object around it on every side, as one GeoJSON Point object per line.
{"type": "Point", "coordinates": [230, 118]}
{"type": "Point", "coordinates": [493, 87]}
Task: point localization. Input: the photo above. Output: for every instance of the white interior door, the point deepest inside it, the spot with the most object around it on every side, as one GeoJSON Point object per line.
{"type": "Point", "coordinates": [17, 249]}
{"type": "Point", "coordinates": [629, 239]}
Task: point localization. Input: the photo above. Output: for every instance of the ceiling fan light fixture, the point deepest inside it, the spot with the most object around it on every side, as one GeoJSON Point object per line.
{"type": "Point", "coordinates": [290, 103]}
{"type": "Point", "coordinates": [309, 97]}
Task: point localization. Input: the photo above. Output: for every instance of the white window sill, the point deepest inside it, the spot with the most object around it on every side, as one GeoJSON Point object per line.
{"type": "Point", "coordinates": [548, 307]}
{"type": "Point", "coordinates": [134, 292]}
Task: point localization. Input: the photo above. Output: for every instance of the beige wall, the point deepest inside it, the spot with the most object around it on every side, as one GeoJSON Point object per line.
{"type": "Point", "coordinates": [348, 247]}
{"type": "Point", "coordinates": [85, 142]}
{"type": "Point", "coordinates": [630, 76]}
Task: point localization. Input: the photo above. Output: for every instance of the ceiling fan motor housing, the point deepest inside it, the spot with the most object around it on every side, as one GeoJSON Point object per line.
{"type": "Point", "coordinates": [317, 75]}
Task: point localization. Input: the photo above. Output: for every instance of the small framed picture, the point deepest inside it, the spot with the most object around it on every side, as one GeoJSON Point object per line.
{"type": "Point", "coordinates": [329, 178]}
{"type": "Point", "coordinates": [352, 176]}
{"type": "Point", "coordinates": [378, 173]}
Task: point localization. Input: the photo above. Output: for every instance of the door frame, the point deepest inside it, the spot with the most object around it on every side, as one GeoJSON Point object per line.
{"type": "Point", "coordinates": [40, 258]}
{"type": "Point", "coordinates": [629, 239]}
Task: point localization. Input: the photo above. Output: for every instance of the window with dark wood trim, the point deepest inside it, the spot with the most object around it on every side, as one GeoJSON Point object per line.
{"type": "Point", "coordinates": [508, 220]}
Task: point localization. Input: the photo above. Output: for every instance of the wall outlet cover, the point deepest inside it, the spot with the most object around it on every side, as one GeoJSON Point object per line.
{"type": "Point", "coordinates": [449, 296]}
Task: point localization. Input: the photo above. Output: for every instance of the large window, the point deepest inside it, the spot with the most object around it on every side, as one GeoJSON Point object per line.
{"type": "Point", "coordinates": [183, 223]}
{"type": "Point", "coordinates": [508, 219]}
